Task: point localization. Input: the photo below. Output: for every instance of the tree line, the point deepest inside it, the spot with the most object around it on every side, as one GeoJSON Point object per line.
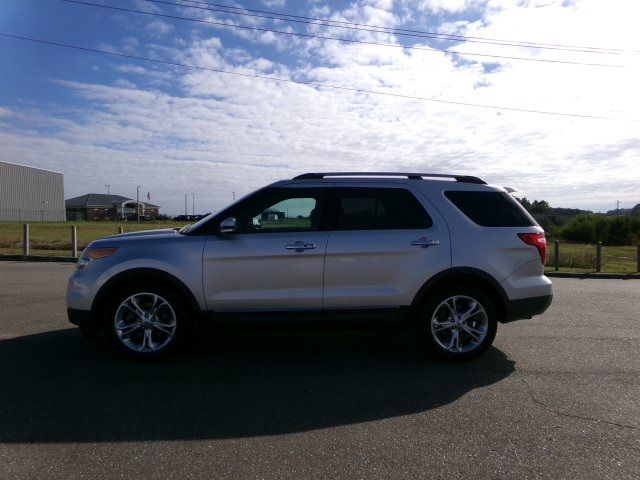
{"type": "Point", "coordinates": [583, 226]}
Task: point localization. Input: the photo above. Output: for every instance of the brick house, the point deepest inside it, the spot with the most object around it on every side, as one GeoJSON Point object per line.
{"type": "Point", "coordinates": [98, 206]}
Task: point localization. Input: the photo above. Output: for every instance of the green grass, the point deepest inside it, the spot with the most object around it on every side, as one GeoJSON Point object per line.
{"type": "Point", "coordinates": [54, 238]}
{"type": "Point", "coordinates": [580, 258]}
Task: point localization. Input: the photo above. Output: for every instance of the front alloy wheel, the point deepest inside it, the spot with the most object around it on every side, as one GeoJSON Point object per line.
{"type": "Point", "coordinates": [145, 323]}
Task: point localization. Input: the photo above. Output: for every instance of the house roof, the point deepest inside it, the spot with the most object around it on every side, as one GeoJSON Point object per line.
{"type": "Point", "coordinates": [101, 200]}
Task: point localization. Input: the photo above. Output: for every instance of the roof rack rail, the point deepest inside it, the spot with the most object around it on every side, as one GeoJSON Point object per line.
{"type": "Point", "coordinates": [410, 176]}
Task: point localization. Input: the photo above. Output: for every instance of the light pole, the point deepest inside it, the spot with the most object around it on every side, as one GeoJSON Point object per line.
{"type": "Point", "coordinates": [138, 201]}
{"type": "Point", "coordinates": [42, 203]}
{"type": "Point", "coordinates": [234, 196]}
{"type": "Point", "coordinates": [193, 208]}
{"type": "Point", "coordinates": [108, 187]}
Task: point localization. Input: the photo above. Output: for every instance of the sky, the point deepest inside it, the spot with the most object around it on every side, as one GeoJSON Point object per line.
{"type": "Point", "coordinates": [103, 119]}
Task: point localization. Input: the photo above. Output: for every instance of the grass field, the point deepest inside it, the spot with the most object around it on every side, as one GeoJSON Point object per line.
{"type": "Point", "coordinates": [54, 239]}
{"type": "Point", "coordinates": [582, 258]}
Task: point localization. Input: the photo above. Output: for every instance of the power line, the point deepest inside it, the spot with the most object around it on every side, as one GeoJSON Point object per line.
{"type": "Point", "coordinates": [364, 42]}
{"type": "Point", "coordinates": [317, 84]}
{"type": "Point", "coordinates": [392, 30]}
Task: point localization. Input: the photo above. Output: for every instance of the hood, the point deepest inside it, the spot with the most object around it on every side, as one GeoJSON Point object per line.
{"type": "Point", "coordinates": [144, 233]}
{"type": "Point", "coordinates": [145, 237]}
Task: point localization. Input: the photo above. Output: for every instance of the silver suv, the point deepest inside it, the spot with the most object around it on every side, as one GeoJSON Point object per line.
{"type": "Point", "coordinates": [448, 255]}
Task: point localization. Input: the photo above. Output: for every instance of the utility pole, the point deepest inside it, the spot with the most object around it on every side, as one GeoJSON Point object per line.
{"type": "Point", "coordinates": [108, 187]}
{"type": "Point", "coordinates": [193, 203]}
{"type": "Point", "coordinates": [234, 196]}
{"type": "Point", "coordinates": [185, 205]}
{"type": "Point", "coordinates": [617, 208]}
{"type": "Point", "coordinates": [138, 202]}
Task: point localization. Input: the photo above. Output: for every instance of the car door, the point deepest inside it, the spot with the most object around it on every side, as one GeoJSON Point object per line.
{"type": "Point", "coordinates": [274, 260]}
{"type": "Point", "coordinates": [384, 247]}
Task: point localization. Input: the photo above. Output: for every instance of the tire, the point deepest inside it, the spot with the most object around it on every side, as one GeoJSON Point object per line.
{"type": "Point", "coordinates": [145, 322]}
{"type": "Point", "coordinates": [442, 325]}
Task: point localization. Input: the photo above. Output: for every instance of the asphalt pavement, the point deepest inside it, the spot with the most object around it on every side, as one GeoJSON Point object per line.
{"type": "Point", "coordinates": [556, 397]}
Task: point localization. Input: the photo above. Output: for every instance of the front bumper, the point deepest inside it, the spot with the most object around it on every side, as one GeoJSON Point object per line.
{"type": "Point", "coordinates": [527, 307]}
{"type": "Point", "coordinates": [83, 319]}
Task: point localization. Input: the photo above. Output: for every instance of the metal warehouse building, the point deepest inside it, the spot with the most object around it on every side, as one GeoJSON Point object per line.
{"type": "Point", "coordinates": [30, 194]}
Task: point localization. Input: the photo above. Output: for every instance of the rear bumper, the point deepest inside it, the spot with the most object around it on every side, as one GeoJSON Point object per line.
{"type": "Point", "coordinates": [527, 307]}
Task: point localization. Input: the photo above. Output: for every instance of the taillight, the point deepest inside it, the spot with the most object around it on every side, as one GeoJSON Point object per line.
{"type": "Point", "coordinates": [537, 240]}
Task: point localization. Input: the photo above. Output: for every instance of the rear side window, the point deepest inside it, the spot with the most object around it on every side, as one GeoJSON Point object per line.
{"type": "Point", "coordinates": [491, 209]}
{"type": "Point", "coordinates": [380, 208]}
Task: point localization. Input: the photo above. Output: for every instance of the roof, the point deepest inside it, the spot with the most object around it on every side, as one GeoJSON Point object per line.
{"type": "Point", "coordinates": [410, 176]}
{"type": "Point", "coordinates": [29, 166]}
{"type": "Point", "coordinates": [101, 200]}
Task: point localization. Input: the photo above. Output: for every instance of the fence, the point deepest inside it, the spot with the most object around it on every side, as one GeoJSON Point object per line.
{"type": "Point", "coordinates": [596, 258]}
{"type": "Point", "coordinates": [53, 240]}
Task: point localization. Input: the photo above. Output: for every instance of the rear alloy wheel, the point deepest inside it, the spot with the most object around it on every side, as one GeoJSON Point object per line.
{"type": "Point", "coordinates": [145, 324]}
{"type": "Point", "coordinates": [461, 323]}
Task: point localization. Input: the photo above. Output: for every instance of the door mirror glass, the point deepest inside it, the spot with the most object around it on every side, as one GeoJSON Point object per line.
{"type": "Point", "coordinates": [228, 225]}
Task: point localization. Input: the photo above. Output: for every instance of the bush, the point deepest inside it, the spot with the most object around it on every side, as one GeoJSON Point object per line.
{"type": "Point", "coordinates": [596, 228]}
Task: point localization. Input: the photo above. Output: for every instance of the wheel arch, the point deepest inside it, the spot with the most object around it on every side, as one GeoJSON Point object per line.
{"type": "Point", "coordinates": [468, 276]}
{"type": "Point", "coordinates": [144, 275]}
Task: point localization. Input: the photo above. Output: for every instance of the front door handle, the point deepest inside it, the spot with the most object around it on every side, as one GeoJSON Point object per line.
{"type": "Point", "coordinates": [299, 246]}
{"type": "Point", "coordinates": [424, 242]}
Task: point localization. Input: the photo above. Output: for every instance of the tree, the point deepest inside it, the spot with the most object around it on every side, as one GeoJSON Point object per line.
{"type": "Point", "coordinates": [541, 206]}
{"type": "Point", "coordinates": [525, 203]}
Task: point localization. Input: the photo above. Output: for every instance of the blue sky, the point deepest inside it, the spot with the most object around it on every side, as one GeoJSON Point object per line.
{"type": "Point", "coordinates": [107, 120]}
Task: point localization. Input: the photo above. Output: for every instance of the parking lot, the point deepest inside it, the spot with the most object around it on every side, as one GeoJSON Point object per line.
{"type": "Point", "coordinates": [557, 397]}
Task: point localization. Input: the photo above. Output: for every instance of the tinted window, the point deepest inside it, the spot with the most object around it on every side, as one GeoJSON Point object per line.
{"type": "Point", "coordinates": [380, 208]}
{"type": "Point", "coordinates": [491, 209]}
{"type": "Point", "coordinates": [278, 210]}
{"type": "Point", "coordinates": [291, 213]}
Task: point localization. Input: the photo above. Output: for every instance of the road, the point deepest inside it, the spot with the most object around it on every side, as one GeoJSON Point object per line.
{"type": "Point", "coordinates": [557, 397]}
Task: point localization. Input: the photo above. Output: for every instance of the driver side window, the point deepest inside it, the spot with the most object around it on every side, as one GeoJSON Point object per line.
{"type": "Point", "coordinates": [281, 210]}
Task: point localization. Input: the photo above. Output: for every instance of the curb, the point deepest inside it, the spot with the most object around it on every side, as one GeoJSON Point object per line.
{"type": "Point", "coordinates": [37, 258]}
{"type": "Point", "coordinates": [603, 276]}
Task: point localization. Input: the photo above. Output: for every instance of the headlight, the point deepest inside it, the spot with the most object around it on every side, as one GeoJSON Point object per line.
{"type": "Point", "coordinates": [90, 254]}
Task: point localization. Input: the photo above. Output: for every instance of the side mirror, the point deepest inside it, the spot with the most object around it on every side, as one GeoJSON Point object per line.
{"type": "Point", "coordinates": [228, 225]}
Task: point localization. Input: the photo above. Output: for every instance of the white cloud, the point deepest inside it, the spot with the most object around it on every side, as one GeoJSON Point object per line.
{"type": "Point", "coordinates": [158, 28]}
{"type": "Point", "coordinates": [436, 6]}
{"type": "Point", "coordinates": [219, 133]}
{"type": "Point", "coordinates": [128, 68]}
{"type": "Point", "coordinates": [274, 3]}
{"type": "Point", "coordinates": [124, 83]}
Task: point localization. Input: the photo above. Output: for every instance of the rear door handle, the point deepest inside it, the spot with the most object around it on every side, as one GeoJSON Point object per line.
{"type": "Point", "coordinates": [424, 242]}
{"type": "Point", "coordinates": [299, 246]}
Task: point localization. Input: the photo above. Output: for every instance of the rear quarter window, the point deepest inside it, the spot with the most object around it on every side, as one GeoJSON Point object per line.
{"type": "Point", "coordinates": [491, 209]}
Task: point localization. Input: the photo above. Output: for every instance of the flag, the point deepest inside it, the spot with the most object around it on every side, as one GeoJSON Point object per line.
{"type": "Point", "coordinates": [148, 197]}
